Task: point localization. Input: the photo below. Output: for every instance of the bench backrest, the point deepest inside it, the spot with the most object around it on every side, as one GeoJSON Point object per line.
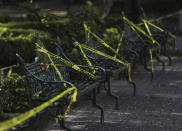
{"type": "Point", "coordinates": [95, 58]}
{"type": "Point", "coordinates": [129, 33]}
{"type": "Point", "coordinates": [37, 74]}
{"type": "Point", "coordinates": [40, 57]}
{"type": "Point", "coordinates": [160, 36]}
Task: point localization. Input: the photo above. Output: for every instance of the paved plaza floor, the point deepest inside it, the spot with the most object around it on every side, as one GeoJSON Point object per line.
{"type": "Point", "coordinates": [157, 105]}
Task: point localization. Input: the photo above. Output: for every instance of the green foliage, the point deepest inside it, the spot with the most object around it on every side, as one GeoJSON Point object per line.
{"type": "Point", "coordinates": [112, 37]}
{"type": "Point", "coordinates": [11, 34]}
{"type": "Point", "coordinates": [32, 23]}
{"type": "Point", "coordinates": [14, 94]}
{"type": "Point", "coordinates": [17, 37]}
{"type": "Point", "coordinates": [24, 25]}
{"type": "Point", "coordinates": [2, 115]}
{"type": "Point", "coordinates": [31, 1]}
{"type": "Point", "coordinates": [91, 15]}
{"type": "Point", "coordinates": [18, 40]}
{"type": "Point", "coordinates": [74, 28]}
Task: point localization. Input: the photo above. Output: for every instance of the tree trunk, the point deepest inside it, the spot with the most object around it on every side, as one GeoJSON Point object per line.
{"type": "Point", "coordinates": [132, 10]}
{"type": "Point", "coordinates": [107, 7]}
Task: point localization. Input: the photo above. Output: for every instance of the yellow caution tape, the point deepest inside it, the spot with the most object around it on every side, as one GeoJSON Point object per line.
{"type": "Point", "coordinates": [174, 46]}
{"type": "Point", "coordinates": [119, 44]}
{"type": "Point", "coordinates": [65, 113]}
{"type": "Point", "coordinates": [57, 71]}
{"type": "Point", "coordinates": [68, 107]}
{"type": "Point", "coordinates": [88, 61]}
{"type": "Point", "coordinates": [148, 30]}
{"type": "Point", "coordinates": [67, 63]}
{"type": "Point", "coordinates": [150, 51]}
{"type": "Point", "coordinates": [170, 34]}
{"type": "Point", "coordinates": [21, 118]}
{"type": "Point", "coordinates": [8, 67]}
{"type": "Point", "coordinates": [10, 72]}
{"type": "Point", "coordinates": [160, 29]}
{"type": "Point", "coordinates": [103, 42]}
{"type": "Point", "coordinates": [151, 59]}
{"type": "Point", "coordinates": [129, 72]}
{"type": "Point", "coordinates": [107, 56]}
{"type": "Point", "coordinates": [144, 33]}
{"type": "Point", "coordinates": [99, 52]}
{"type": "Point", "coordinates": [162, 17]}
{"type": "Point", "coordinates": [167, 16]}
{"type": "Point", "coordinates": [141, 30]}
{"type": "Point", "coordinates": [61, 78]}
{"type": "Point", "coordinates": [37, 95]}
{"type": "Point", "coordinates": [138, 35]}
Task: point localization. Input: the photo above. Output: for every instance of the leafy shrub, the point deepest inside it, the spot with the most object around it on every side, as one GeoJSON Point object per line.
{"type": "Point", "coordinates": [14, 94]}
{"type": "Point", "coordinates": [112, 37]}
{"type": "Point", "coordinates": [2, 115]}
{"type": "Point", "coordinates": [74, 28]}
{"type": "Point", "coordinates": [20, 41]}
{"type": "Point", "coordinates": [17, 37]}
{"type": "Point", "coordinates": [34, 24]}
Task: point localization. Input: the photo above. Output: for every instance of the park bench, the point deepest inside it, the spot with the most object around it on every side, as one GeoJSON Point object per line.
{"type": "Point", "coordinates": [132, 40]}
{"type": "Point", "coordinates": [163, 37]}
{"type": "Point", "coordinates": [110, 66]}
{"type": "Point", "coordinates": [104, 80]}
{"type": "Point", "coordinates": [45, 83]}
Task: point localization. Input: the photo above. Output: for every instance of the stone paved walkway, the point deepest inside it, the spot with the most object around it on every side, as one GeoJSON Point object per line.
{"type": "Point", "coordinates": [156, 107]}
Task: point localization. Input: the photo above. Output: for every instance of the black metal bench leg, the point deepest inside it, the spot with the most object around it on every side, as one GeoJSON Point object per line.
{"type": "Point", "coordinates": [131, 82]}
{"type": "Point", "coordinates": [60, 110]}
{"type": "Point", "coordinates": [162, 62]}
{"type": "Point", "coordinates": [147, 69]}
{"type": "Point", "coordinates": [98, 88]}
{"type": "Point", "coordinates": [168, 56]}
{"type": "Point", "coordinates": [169, 59]}
{"type": "Point", "coordinates": [141, 59]}
{"type": "Point", "coordinates": [112, 95]}
{"type": "Point", "coordinates": [94, 101]}
{"type": "Point", "coordinates": [134, 87]}
{"type": "Point", "coordinates": [178, 53]}
{"type": "Point", "coordinates": [134, 65]}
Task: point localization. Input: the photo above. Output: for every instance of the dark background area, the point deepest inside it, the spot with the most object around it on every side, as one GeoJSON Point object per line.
{"type": "Point", "coordinates": [66, 18]}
